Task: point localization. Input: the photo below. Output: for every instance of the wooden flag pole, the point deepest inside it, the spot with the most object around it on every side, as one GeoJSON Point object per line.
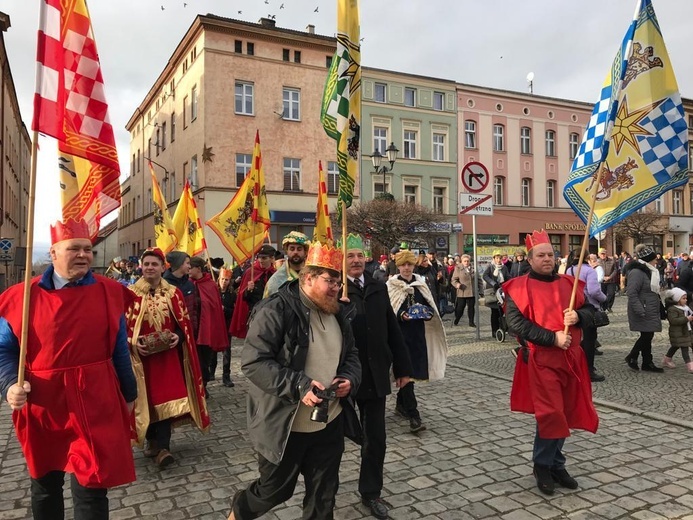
{"type": "Point", "coordinates": [345, 289]}
{"type": "Point", "coordinates": [585, 242]}
{"type": "Point", "coordinates": [28, 262]}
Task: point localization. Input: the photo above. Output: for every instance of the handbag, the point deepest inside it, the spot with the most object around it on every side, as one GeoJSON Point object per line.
{"type": "Point", "coordinates": [419, 311]}
{"type": "Point", "coordinates": [601, 319]}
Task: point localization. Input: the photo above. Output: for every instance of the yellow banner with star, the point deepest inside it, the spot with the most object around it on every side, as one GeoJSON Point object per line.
{"type": "Point", "coordinates": [635, 147]}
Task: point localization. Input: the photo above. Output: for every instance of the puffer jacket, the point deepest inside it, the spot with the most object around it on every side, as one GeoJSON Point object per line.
{"type": "Point", "coordinates": [273, 359]}
{"type": "Point", "coordinates": [643, 302]}
{"type": "Point", "coordinates": [679, 335]}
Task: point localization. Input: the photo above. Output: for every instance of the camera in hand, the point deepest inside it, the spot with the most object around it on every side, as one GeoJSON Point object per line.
{"type": "Point", "coordinates": [319, 413]}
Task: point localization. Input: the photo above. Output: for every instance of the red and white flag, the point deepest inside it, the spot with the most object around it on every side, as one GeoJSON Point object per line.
{"type": "Point", "coordinates": [70, 105]}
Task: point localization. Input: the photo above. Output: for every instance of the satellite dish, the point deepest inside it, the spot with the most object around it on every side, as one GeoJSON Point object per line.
{"type": "Point", "coordinates": [530, 76]}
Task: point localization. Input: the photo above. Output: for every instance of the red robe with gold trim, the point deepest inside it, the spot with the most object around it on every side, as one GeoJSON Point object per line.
{"type": "Point", "coordinates": [75, 419]}
{"type": "Point", "coordinates": [555, 384]}
{"type": "Point", "coordinates": [169, 383]}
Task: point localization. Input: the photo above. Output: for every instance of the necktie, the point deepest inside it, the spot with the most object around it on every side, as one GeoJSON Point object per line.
{"type": "Point", "coordinates": [358, 283]}
{"type": "Point", "coordinates": [70, 284]}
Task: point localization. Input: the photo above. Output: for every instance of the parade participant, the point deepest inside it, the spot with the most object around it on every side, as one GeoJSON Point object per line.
{"type": "Point", "coordinates": [423, 333]}
{"type": "Point", "coordinates": [300, 342]}
{"type": "Point", "coordinates": [211, 335]}
{"type": "Point", "coordinates": [611, 279]}
{"type": "Point", "coordinates": [463, 279]}
{"type": "Point", "coordinates": [162, 347]}
{"type": "Point", "coordinates": [551, 379]}
{"type": "Point", "coordinates": [381, 347]}
{"type": "Point", "coordinates": [178, 275]}
{"type": "Point", "coordinates": [251, 289]}
{"type": "Point", "coordinates": [72, 413]}
{"type": "Point", "coordinates": [295, 246]}
{"type": "Point", "coordinates": [227, 290]}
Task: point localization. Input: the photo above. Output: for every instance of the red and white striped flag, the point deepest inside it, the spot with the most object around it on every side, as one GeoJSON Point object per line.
{"type": "Point", "coordinates": [70, 106]}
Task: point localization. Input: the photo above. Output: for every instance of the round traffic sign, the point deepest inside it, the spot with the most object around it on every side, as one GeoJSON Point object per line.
{"type": "Point", "coordinates": [475, 177]}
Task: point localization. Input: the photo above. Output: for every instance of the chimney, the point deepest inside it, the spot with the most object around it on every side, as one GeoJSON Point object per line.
{"type": "Point", "coordinates": [310, 29]}
{"type": "Point", "coordinates": [267, 22]}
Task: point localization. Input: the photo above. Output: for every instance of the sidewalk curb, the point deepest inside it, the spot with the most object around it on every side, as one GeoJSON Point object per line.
{"type": "Point", "coordinates": [599, 402]}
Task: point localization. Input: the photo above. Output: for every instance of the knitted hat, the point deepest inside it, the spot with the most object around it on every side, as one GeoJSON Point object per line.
{"type": "Point", "coordinates": [405, 257]}
{"type": "Point", "coordinates": [645, 253]}
{"type": "Point", "coordinates": [675, 294]}
{"type": "Point", "coordinates": [176, 259]}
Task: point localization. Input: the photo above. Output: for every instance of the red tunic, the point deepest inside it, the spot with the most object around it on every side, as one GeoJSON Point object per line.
{"type": "Point", "coordinates": [75, 419]}
{"type": "Point", "coordinates": [555, 385]}
{"type": "Point", "coordinates": [212, 330]}
{"type": "Point", "coordinates": [241, 311]}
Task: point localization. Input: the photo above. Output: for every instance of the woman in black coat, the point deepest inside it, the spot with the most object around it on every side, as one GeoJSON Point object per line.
{"type": "Point", "coordinates": [496, 273]}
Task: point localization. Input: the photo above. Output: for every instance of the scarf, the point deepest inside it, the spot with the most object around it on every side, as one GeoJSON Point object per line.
{"type": "Point", "coordinates": [687, 312]}
{"type": "Point", "coordinates": [498, 272]}
{"type": "Point", "coordinates": [654, 276]}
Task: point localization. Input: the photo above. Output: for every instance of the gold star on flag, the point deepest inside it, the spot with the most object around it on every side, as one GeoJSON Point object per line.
{"type": "Point", "coordinates": [627, 125]}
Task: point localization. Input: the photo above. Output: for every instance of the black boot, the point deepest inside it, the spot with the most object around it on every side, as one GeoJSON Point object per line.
{"type": "Point", "coordinates": [563, 478]}
{"type": "Point", "coordinates": [544, 479]}
{"type": "Point", "coordinates": [650, 367]}
{"type": "Point", "coordinates": [632, 363]}
{"type": "Point", "coordinates": [226, 381]}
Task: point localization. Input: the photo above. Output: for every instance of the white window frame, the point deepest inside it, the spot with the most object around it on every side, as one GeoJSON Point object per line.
{"type": "Point", "coordinates": [438, 146]}
{"type": "Point", "coordinates": [551, 194]}
{"type": "Point", "coordinates": [498, 137]}
{"type": "Point", "coordinates": [246, 97]}
{"type": "Point", "coordinates": [439, 201]}
{"type": "Point", "coordinates": [291, 98]}
{"type": "Point", "coordinates": [439, 101]}
{"type": "Point", "coordinates": [526, 140]}
{"type": "Point", "coordinates": [378, 181]}
{"type": "Point", "coordinates": [409, 197]}
{"type": "Point", "coordinates": [380, 141]}
{"type": "Point", "coordinates": [470, 134]}
{"type": "Point", "coordinates": [292, 169]}
{"type": "Point", "coordinates": [676, 202]}
{"type": "Point", "coordinates": [659, 204]}
{"type": "Point", "coordinates": [193, 171]}
{"type": "Point", "coordinates": [526, 193]}
{"type": "Point", "coordinates": [193, 103]}
{"type": "Point", "coordinates": [550, 143]}
{"type": "Point", "coordinates": [244, 162]}
{"type": "Point", "coordinates": [574, 144]}
{"type": "Point", "coordinates": [410, 139]}
{"type": "Point", "coordinates": [498, 190]}
{"type": "Point", "coordinates": [332, 178]}
{"type": "Point", "coordinates": [409, 91]}
{"type": "Point", "coordinates": [380, 88]}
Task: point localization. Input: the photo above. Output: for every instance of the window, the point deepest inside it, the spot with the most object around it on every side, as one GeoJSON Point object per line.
{"type": "Point", "coordinates": [676, 202]}
{"type": "Point", "coordinates": [297, 56]}
{"type": "Point", "coordinates": [238, 46]}
{"type": "Point", "coordinates": [378, 189]}
{"type": "Point", "coordinates": [243, 163]}
{"type": "Point", "coordinates": [438, 147]}
{"type": "Point", "coordinates": [574, 145]}
{"type": "Point", "coordinates": [409, 144]}
{"type": "Point", "coordinates": [163, 135]}
{"type": "Point", "coordinates": [379, 139]}
{"type": "Point", "coordinates": [173, 126]}
{"type": "Point", "coordinates": [328, 61]}
{"type": "Point", "coordinates": [193, 171]}
{"type": "Point", "coordinates": [470, 134]}
{"type": "Point", "coordinates": [149, 201]}
{"type": "Point", "coordinates": [172, 186]}
{"type": "Point", "coordinates": [149, 147]}
{"type": "Point", "coordinates": [409, 97]}
{"type": "Point", "coordinates": [410, 193]}
{"type": "Point", "coordinates": [438, 101]}
{"type": "Point", "coordinates": [526, 192]}
{"type": "Point", "coordinates": [250, 48]}
{"type": "Point", "coordinates": [244, 98]}
{"type": "Point", "coordinates": [193, 104]}
{"type": "Point", "coordinates": [332, 177]}
{"type": "Point", "coordinates": [525, 140]}
{"type": "Point", "coordinates": [138, 207]}
{"type": "Point", "coordinates": [439, 199]}
{"type": "Point", "coordinates": [659, 204]}
{"type": "Point", "coordinates": [286, 54]}
{"type": "Point", "coordinates": [157, 143]}
{"type": "Point", "coordinates": [380, 92]}
{"type": "Point", "coordinates": [292, 104]}
{"type": "Point", "coordinates": [292, 174]}
{"type": "Point", "coordinates": [132, 165]}
{"type": "Point", "coordinates": [138, 160]}
{"type": "Point", "coordinates": [551, 194]}
{"type": "Point", "coordinates": [185, 108]}
{"type": "Point", "coordinates": [498, 191]}
{"type": "Point", "coordinates": [498, 138]}
{"type": "Point", "coordinates": [550, 143]}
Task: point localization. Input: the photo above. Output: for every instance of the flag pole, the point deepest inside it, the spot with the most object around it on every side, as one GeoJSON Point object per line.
{"type": "Point", "coordinates": [345, 289]}
{"type": "Point", "coordinates": [28, 261]}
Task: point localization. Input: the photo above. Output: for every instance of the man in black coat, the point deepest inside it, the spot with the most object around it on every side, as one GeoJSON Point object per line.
{"type": "Point", "coordinates": [380, 344]}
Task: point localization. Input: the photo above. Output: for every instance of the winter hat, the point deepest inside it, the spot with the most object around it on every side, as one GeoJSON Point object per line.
{"type": "Point", "coordinates": [176, 259]}
{"type": "Point", "coordinates": [645, 253]}
{"type": "Point", "coordinates": [676, 294]}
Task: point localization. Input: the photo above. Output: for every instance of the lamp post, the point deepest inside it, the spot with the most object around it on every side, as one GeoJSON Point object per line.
{"type": "Point", "coordinates": [377, 159]}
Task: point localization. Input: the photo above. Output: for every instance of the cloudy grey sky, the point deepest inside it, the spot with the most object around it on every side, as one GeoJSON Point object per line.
{"type": "Point", "coordinates": [569, 45]}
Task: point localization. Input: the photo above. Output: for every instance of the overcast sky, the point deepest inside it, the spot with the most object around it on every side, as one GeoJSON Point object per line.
{"type": "Point", "coordinates": [569, 45]}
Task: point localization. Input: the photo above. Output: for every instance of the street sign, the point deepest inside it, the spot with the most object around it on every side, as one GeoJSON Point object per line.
{"type": "Point", "coordinates": [476, 204]}
{"type": "Point", "coordinates": [474, 177]}
{"type": "Point", "coordinates": [457, 228]}
{"type": "Point", "coordinates": [6, 250]}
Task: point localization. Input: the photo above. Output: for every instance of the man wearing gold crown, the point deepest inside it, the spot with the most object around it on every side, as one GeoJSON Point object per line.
{"type": "Point", "coordinates": [71, 414]}
{"type": "Point", "coordinates": [299, 343]}
{"type": "Point", "coordinates": [551, 378]}
{"type": "Point", "coordinates": [164, 359]}
{"type": "Point", "coordinates": [295, 247]}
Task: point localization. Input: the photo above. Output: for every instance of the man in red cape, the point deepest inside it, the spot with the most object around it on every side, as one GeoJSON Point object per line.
{"type": "Point", "coordinates": [251, 290]}
{"type": "Point", "coordinates": [168, 380]}
{"type": "Point", "coordinates": [551, 378]}
{"type": "Point", "coordinates": [71, 414]}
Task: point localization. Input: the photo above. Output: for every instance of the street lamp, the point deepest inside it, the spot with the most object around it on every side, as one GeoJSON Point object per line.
{"type": "Point", "coordinates": [377, 159]}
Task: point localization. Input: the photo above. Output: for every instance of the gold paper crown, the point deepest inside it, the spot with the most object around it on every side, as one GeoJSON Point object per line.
{"type": "Point", "coordinates": [326, 256]}
{"type": "Point", "coordinates": [537, 237]}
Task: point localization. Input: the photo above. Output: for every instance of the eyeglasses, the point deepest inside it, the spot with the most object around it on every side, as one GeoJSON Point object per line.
{"type": "Point", "coordinates": [332, 284]}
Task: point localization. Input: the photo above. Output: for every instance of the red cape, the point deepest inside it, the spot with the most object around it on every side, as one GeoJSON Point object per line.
{"type": "Point", "coordinates": [239, 320]}
{"type": "Point", "coordinates": [555, 384]}
{"type": "Point", "coordinates": [75, 419]}
{"type": "Point", "coordinates": [212, 329]}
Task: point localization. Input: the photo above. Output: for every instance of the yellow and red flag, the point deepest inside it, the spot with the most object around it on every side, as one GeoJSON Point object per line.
{"type": "Point", "coordinates": [164, 232]}
{"type": "Point", "coordinates": [70, 105]}
{"type": "Point", "coordinates": [323, 228]}
{"type": "Point", "coordinates": [241, 226]}
{"type": "Point", "coordinates": [186, 223]}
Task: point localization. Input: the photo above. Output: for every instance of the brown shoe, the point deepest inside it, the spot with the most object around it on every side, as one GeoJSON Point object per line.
{"type": "Point", "coordinates": [151, 449]}
{"type": "Point", "coordinates": [164, 459]}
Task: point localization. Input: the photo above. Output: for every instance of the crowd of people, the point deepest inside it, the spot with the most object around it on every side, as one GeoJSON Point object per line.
{"type": "Point", "coordinates": [125, 358]}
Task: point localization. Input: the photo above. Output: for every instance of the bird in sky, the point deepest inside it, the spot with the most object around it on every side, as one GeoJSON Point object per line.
{"type": "Point", "coordinates": [240, 12]}
{"type": "Point", "coordinates": [272, 16]}
{"type": "Point", "coordinates": [267, 1]}
{"type": "Point", "coordinates": [316, 9]}
{"type": "Point", "coordinates": [281, 6]}
{"type": "Point", "coordinates": [185, 5]}
{"type": "Point", "coordinates": [162, 8]}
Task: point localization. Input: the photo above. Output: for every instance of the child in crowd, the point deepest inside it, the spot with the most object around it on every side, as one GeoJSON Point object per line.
{"type": "Point", "coordinates": [680, 316]}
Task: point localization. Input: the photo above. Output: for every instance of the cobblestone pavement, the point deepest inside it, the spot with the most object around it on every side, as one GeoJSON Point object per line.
{"type": "Point", "coordinates": [472, 462]}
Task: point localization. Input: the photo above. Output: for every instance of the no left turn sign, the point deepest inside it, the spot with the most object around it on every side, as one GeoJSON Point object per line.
{"type": "Point", "coordinates": [475, 177]}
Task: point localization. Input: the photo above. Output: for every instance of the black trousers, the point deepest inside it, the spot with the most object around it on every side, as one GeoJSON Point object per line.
{"type": "Point", "coordinates": [47, 498]}
{"type": "Point", "coordinates": [314, 455]}
{"type": "Point", "coordinates": [460, 304]}
{"type": "Point", "coordinates": [161, 433]}
{"type": "Point", "coordinates": [610, 290]}
{"type": "Point", "coordinates": [588, 344]}
{"type": "Point", "coordinates": [643, 345]}
{"type": "Point", "coordinates": [372, 415]}
{"type": "Point", "coordinates": [204, 354]}
{"type": "Point", "coordinates": [225, 363]}
{"type": "Point", "coordinates": [406, 400]}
